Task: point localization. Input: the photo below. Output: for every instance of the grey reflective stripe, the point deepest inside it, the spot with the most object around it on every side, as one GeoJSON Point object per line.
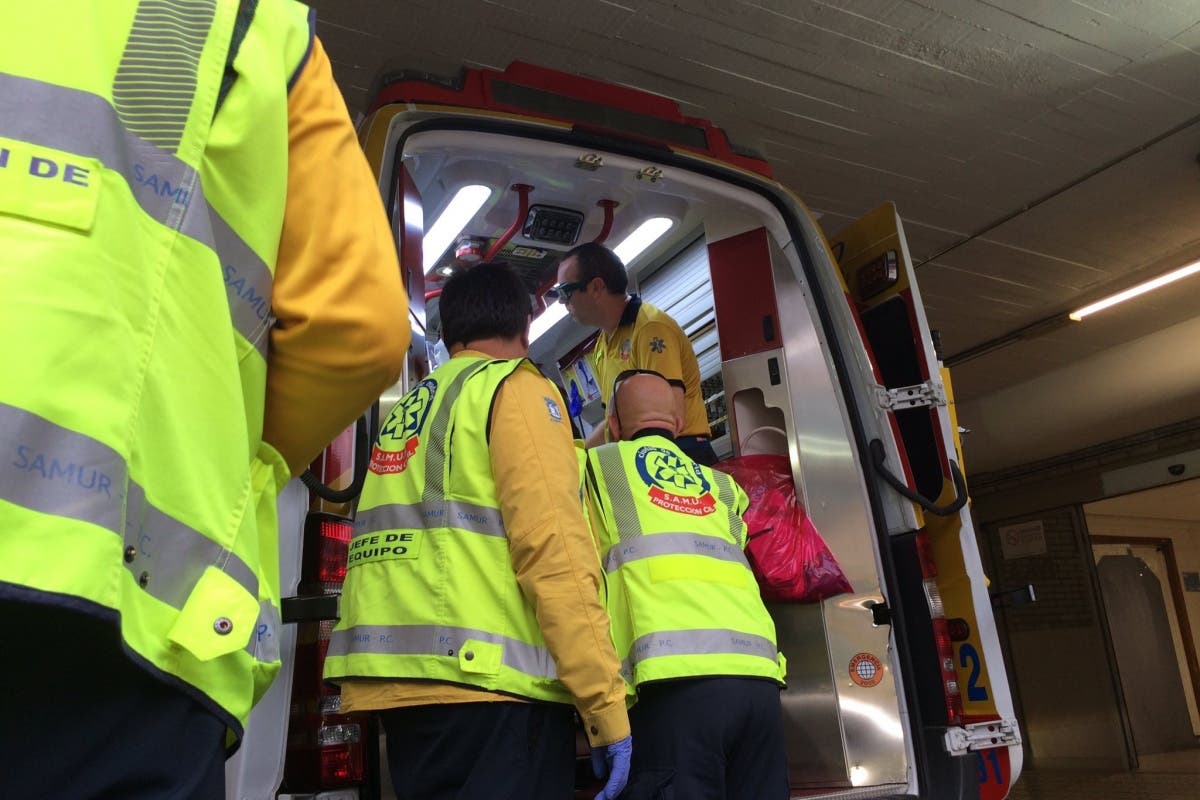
{"type": "Point", "coordinates": [448, 513]}
{"type": "Point", "coordinates": [438, 640]}
{"type": "Point", "coordinates": [620, 502]}
{"type": "Point", "coordinates": [727, 496]}
{"type": "Point", "coordinates": [166, 188]}
{"type": "Point", "coordinates": [435, 451]}
{"type": "Point", "coordinates": [673, 544]}
{"type": "Point", "coordinates": [53, 470]}
{"type": "Point", "coordinates": [173, 556]}
{"type": "Point", "coordinates": [701, 641]}
{"type": "Point", "coordinates": [156, 78]}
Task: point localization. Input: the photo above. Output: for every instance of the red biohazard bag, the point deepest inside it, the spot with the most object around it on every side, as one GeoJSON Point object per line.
{"type": "Point", "coordinates": [788, 556]}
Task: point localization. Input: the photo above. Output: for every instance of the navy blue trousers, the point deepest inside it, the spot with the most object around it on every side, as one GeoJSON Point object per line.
{"type": "Point", "coordinates": [708, 739]}
{"type": "Point", "coordinates": [82, 721]}
{"type": "Point", "coordinates": [481, 751]}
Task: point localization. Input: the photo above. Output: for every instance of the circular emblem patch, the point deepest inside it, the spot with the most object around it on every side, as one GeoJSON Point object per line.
{"type": "Point", "coordinates": [403, 426]}
{"type": "Point", "coordinates": [674, 484]}
{"type": "Point", "coordinates": [866, 670]}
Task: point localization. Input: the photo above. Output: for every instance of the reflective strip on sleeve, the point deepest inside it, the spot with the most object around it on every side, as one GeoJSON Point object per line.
{"type": "Point", "coordinates": [701, 641]}
{"type": "Point", "coordinates": [438, 640]}
{"type": "Point", "coordinates": [672, 544]}
{"type": "Point", "coordinates": [166, 188]}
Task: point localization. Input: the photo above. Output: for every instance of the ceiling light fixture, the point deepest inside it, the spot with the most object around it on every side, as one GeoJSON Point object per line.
{"type": "Point", "coordinates": [462, 209]}
{"type": "Point", "coordinates": [1141, 288]}
{"type": "Point", "coordinates": [642, 237]}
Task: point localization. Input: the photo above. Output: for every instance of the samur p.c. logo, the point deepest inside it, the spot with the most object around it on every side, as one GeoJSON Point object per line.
{"type": "Point", "coordinates": [673, 483]}
{"type": "Point", "coordinates": [403, 426]}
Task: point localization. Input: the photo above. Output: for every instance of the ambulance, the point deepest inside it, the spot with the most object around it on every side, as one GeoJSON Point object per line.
{"type": "Point", "coordinates": [814, 346]}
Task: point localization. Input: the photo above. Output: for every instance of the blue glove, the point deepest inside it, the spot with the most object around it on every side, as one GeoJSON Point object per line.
{"type": "Point", "coordinates": [612, 760]}
{"type": "Point", "coordinates": [575, 403]}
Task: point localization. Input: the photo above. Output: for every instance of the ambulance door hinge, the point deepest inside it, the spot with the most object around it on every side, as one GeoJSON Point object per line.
{"type": "Point", "coordinates": [928, 393]}
{"type": "Point", "coordinates": [982, 736]}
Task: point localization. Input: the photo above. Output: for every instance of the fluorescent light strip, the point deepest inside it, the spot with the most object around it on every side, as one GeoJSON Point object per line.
{"type": "Point", "coordinates": [642, 237]}
{"type": "Point", "coordinates": [466, 203]}
{"type": "Point", "coordinates": [546, 320]}
{"type": "Point", "coordinates": [1141, 288]}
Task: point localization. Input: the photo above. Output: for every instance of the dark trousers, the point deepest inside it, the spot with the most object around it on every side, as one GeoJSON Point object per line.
{"type": "Point", "coordinates": [481, 751]}
{"type": "Point", "coordinates": [708, 739]}
{"type": "Point", "coordinates": [81, 720]}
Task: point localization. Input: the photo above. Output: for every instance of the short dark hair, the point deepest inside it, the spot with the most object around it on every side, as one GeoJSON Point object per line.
{"type": "Point", "coordinates": [484, 302]}
{"type": "Point", "coordinates": [597, 261]}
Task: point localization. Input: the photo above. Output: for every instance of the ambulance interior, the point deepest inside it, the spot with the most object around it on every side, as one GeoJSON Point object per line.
{"type": "Point", "coordinates": [718, 257]}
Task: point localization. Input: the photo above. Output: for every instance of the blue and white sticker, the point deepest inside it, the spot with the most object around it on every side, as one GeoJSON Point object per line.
{"type": "Point", "coordinates": [552, 408]}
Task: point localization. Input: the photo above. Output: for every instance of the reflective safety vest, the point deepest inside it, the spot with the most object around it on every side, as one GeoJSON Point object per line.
{"type": "Point", "coordinates": [430, 590]}
{"type": "Point", "coordinates": [681, 596]}
{"type": "Point", "coordinates": [140, 228]}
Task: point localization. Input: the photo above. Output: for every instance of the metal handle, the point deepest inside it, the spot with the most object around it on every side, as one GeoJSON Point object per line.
{"type": "Point", "coordinates": [878, 456]}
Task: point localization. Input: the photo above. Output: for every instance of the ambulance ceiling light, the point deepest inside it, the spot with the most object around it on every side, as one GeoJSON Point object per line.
{"type": "Point", "coordinates": [462, 209]}
{"type": "Point", "coordinates": [642, 237]}
{"type": "Point", "coordinates": [546, 320]}
{"type": "Point", "coordinates": [1134, 291]}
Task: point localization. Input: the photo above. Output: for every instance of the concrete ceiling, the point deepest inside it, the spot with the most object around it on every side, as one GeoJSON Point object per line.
{"type": "Point", "coordinates": [1042, 153]}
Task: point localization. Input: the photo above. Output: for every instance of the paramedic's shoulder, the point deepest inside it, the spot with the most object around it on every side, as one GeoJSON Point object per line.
{"type": "Point", "coordinates": [342, 327]}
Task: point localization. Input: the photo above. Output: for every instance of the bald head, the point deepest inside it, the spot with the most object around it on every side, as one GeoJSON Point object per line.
{"type": "Point", "coordinates": [643, 401]}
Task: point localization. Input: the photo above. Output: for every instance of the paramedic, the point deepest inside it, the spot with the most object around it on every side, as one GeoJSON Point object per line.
{"type": "Point", "coordinates": [697, 645]}
{"type": "Point", "coordinates": [200, 291]}
{"type": "Point", "coordinates": [471, 615]}
{"type": "Point", "coordinates": [633, 335]}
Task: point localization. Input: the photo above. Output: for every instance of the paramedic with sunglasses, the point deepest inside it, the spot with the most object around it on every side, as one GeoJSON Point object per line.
{"type": "Point", "coordinates": [592, 283]}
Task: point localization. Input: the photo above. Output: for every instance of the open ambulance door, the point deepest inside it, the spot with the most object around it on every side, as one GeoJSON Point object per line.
{"type": "Point", "coordinates": [966, 706]}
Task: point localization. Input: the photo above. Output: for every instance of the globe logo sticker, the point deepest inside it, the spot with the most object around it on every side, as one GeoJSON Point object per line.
{"type": "Point", "coordinates": [403, 427]}
{"type": "Point", "coordinates": [675, 484]}
{"type": "Point", "coordinates": [866, 670]}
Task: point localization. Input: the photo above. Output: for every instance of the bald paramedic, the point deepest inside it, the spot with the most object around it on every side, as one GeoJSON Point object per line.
{"type": "Point", "coordinates": [697, 646]}
{"type": "Point", "coordinates": [200, 291]}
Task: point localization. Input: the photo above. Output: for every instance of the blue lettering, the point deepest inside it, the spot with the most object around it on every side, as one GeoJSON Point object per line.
{"type": "Point", "coordinates": [3, 157]}
{"type": "Point", "coordinates": [58, 472]}
{"type": "Point", "coordinates": [362, 637]}
{"type": "Point", "coordinates": [76, 175]}
{"type": "Point", "coordinates": [42, 167]}
{"type": "Point", "coordinates": [139, 174]}
{"type": "Point", "coordinates": [152, 182]}
{"type": "Point", "coordinates": [230, 271]}
{"type": "Point", "coordinates": [256, 301]}
{"type": "Point", "coordinates": [237, 286]}
{"type": "Point", "coordinates": [67, 472]}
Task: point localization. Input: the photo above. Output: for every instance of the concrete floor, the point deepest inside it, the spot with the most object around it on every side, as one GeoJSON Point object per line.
{"type": "Point", "coordinates": [1167, 776]}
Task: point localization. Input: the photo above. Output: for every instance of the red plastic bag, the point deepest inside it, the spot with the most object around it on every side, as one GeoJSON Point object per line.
{"type": "Point", "coordinates": [788, 556]}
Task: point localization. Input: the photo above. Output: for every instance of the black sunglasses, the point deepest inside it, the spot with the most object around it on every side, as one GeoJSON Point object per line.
{"type": "Point", "coordinates": [562, 291]}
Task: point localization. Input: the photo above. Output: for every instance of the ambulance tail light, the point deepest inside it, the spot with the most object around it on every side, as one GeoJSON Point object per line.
{"type": "Point", "coordinates": [341, 754]}
{"type": "Point", "coordinates": [941, 630]}
{"type": "Point", "coordinates": [335, 535]}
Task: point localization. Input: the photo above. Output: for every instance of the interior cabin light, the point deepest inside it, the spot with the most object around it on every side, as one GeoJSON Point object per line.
{"type": "Point", "coordinates": [462, 209]}
{"type": "Point", "coordinates": [1141, 288]}
{"type": "Point", "coordinates": [642, 237]}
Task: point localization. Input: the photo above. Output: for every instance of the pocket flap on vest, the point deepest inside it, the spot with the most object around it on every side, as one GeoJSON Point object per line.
{"type": "Point", "coordinates": [218, 617]}
{"type": "Point", "coordinates": [480, 657]}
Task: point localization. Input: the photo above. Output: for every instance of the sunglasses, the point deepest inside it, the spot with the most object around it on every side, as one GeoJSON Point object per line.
{"type": "Point", "coordinates": [563, 291]}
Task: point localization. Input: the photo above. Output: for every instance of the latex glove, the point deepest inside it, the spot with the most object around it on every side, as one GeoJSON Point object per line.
{"type": "Point", "coordinates": [612, 760]}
